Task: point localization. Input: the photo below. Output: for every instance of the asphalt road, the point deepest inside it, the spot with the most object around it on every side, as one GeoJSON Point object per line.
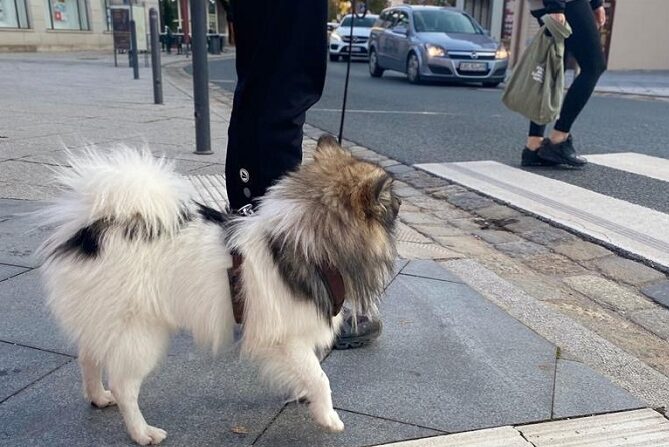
{"type": "Point", "coordinates": [446, 123]}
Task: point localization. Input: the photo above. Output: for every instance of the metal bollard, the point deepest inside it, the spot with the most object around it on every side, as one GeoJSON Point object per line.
{"type": "Point", "coordinates": [134, 60]}
{"type": "Point", "coordinates": [200, 76]}
{"type": "Point", "coordinates": [155, 57]}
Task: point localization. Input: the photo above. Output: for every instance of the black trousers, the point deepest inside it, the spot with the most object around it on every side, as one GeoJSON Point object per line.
{"type": "Point", "coordinates": [281, 65]}
{"type": "Point", "coordinates": [585, 46]}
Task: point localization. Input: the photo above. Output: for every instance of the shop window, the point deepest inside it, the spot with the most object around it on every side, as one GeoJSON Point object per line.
{"type": "Point", "coordinates": [13, 14]}
{"type": "Point", "coordinates": [67, 14]}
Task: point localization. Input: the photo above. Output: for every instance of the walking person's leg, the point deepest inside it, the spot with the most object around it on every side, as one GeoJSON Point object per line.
{"type": "Point", "coordinates": [584, 44]}
{"type": "Point", "coordinates": [276, 85]}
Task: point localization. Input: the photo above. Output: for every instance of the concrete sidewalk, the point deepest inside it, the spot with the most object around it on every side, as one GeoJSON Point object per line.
{"type": "Point", "coordinates": [471, 340]}
{"type": "Point", "coordinates": [642, 83]}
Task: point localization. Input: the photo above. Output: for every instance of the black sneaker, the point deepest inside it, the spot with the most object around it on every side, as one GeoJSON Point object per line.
{"type": "Point", "coordinates": [530, 158]}
{"type": "Point", "coordinates": [368, 329]}
{"type": "Point", "coordinates": [563, 153]}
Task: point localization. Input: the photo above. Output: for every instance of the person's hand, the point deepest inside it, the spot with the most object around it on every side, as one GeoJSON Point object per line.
{"type": "Point", "coordinates": [559, 18]}
{"type": "Point", "coordinates": [600, 16]}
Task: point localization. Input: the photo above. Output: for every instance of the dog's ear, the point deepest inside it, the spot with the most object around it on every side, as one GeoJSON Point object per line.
{"type": "Point", "coordinates": [326, 141]}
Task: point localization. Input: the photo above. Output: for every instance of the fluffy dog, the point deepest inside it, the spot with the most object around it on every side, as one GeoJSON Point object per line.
{"type": "Point", "coordinates": [134, 257]}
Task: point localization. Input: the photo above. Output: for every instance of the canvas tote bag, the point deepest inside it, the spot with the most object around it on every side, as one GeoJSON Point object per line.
{"type": "Point", "coordinates": [536, 86]}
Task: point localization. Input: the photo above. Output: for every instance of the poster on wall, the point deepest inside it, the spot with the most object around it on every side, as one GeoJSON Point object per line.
{"type": "Point", "coordinates": [120, 18]}
{"type": "Point", "coordinates": [139, 16]}
{"type": "Point", "coordinates": [60, 11]}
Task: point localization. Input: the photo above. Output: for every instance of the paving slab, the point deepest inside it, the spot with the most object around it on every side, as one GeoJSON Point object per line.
{"type": "Point", "coordinates": [608, 293]}
{"type": "Point", "coordinates": [655, 320]}
{"type": "Point", "coordinates": [21, 366]}
{"type": "Point", "coordinates": [294, 427]}
{"type": "Point", "coordinates": [19, 234]}
{"type": "Point", "coordinates": [492, 437]}
{"type": "Point", "coordinates": [7, 271]}
{"type": "Point", "coordinates": [640, 428]}
{"type": "Point", "coordinates": [429, 269]}
{"type": "Point", "coordinates": [199, 401]}
{"type": "Point", "coordinates": [580, 391]}
{"type": "Point", "coordinates": [659, 292]}
{"type": "Point", "coordinates": [25, 318]}
{"type": "Point", "coordinates": [453, 361]}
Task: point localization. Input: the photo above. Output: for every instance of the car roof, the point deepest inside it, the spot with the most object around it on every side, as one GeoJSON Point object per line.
{"type": "Point", "coordinates": [366, 15]}
{"type": "Point", "coordinates": [424, 8]}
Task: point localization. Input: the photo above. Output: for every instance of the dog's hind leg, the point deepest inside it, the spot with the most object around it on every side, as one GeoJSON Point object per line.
{"type": "Point", "coordinates": [136, 354]}
{"type": "Point", "coordinates": [295, 366]}
{"type": "Point", "coordinates": [91, 375]}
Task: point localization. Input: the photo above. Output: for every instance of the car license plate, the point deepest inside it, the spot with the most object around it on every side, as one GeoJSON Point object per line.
{"type": "Point", "coordinates": [473, 66]}
{"type": "Point", "coordinates": [356, 49]}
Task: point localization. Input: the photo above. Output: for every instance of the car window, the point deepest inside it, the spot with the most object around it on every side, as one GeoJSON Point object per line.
{"type": "Point", "coordinates": [365, 22]}
{"type": "Point", "coordinates": [443, 21]}
{"type": "Point", "coordinates": [402, 20]}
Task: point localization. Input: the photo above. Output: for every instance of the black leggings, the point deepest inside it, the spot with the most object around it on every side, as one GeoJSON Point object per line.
{"type": "Point", "coordinates": [585, 46]}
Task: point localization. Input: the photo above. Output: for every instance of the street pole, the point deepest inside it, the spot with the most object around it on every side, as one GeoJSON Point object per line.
{"type": "Point", "coordinates": [155, 57]}
{"type": "Point", "coordinates": [133, 49]}
{"type": "Point", "coordinates": [198, 13]}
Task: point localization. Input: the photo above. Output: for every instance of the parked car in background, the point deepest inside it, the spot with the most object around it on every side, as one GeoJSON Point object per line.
{"type": "Point", "coordinates": [429, 42]}
{"type": "Point", "coordinates": [341, 36]}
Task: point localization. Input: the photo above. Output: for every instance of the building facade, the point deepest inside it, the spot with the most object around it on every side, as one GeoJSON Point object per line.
{"type": "Point", "coordinates": [61, 25]}
{"type": "Point", "coordinates": [635, 36]}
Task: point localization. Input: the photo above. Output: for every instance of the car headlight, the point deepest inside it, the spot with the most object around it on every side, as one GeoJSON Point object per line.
{"type": "Point", "coordinates": [334, 37]}
{"type": "Point", "coordinates": [501, 53]}
{"type": "Point", "coordinates": [435, 50]}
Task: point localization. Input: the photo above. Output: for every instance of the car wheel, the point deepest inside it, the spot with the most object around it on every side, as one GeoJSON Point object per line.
{"type": "Point", "coordinates": [491, 84]}
{"type": "Point", "coordinates": [334, 57]}
{"type": "Point", "coordinates": [413, 69]}
{"type": "Point", "coordinates": [374, 70]}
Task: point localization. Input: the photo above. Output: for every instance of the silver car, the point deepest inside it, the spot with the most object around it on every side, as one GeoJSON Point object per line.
{"type": "Point", "coordinates": [340, 38]}
{"type": "Point", "coordinates": [429, 42]}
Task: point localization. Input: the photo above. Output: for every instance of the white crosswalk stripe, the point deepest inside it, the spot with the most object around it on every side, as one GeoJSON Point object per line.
{"type": "Point", "coordinates": [640, 164]}
{"type": "Point", "coordinates": [632, 228]}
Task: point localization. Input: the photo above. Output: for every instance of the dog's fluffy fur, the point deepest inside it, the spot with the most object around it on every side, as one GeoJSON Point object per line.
{"type": "Point", "coordinates": [134, 258]}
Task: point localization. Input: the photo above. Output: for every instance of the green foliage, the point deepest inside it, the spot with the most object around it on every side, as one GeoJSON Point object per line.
{"type": "Point", "coordinates": [376, 6]}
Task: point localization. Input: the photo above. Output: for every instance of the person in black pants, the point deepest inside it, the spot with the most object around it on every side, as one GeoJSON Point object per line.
{"type": "Point", "coordinates": [281, 61]}
{"type": "Point", "coordinates": [585, 18]}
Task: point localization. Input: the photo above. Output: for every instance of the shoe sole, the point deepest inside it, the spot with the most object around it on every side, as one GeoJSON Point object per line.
{"type": "Point", "coordinates": [557, 159]}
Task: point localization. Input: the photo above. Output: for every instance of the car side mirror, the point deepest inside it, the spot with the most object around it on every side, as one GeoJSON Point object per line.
{"type": "Point", "coordinates": [486, 32]}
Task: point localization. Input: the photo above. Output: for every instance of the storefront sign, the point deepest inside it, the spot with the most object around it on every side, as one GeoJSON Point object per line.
{"type": "Point", "coordinates": [121, 28]}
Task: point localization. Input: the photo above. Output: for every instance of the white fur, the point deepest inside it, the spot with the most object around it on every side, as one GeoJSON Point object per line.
{"type": "Point", "coordinates": [121, 306]}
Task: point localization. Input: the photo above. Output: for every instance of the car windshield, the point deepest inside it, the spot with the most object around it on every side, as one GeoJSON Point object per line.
{"type": "Point", "coordinates": [443, 21]}
{"type": "Point", "coordinates": [365, 22]}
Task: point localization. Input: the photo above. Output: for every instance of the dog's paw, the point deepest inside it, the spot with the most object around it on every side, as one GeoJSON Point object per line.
{"type": "Point", "coordinates": [148, 435]}
{"type": "Point", "coordinates": [103, 400]}
{"type": "Point", "coordinates": [330, 421]}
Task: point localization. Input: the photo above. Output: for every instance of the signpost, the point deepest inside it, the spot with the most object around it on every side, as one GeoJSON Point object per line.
{"type": "Point", "coordinates": [121, 30]}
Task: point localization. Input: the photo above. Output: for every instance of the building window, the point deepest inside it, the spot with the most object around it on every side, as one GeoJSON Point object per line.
{"type": "Point", "coordinates": [107, 13]}
{"type": "Point", "coordinates": [67, 14]}
{"type": "Point", "coordinates": [13, 14]}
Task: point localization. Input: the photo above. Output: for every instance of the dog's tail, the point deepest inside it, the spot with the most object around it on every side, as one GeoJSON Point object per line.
{"type": "Point", "coordinates": [122, 188]}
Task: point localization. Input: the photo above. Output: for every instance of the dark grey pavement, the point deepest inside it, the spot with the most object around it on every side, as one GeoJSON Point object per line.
{"type": "Point", "coordinates": [448, 361]}
{"type": "Point", "coordinates": [447, 123]}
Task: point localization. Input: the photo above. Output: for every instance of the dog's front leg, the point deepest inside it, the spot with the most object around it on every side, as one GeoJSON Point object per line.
{"type": "Point", "coordinates": [295, 366]}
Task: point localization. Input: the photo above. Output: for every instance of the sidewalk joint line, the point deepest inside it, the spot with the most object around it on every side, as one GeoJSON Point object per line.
{"type": "Point", "coordinates": [50, 351]}
{"type": "Point", "coordinates": [557, 357]}
{"type": "Point", "coordinates": [35, 381]}
{"type": "Point", "coordinates": [360, 413]}
{"type": "Point", "coordinates": [413, 275]}
{"type": "Point", "coordinates": [269, 424]}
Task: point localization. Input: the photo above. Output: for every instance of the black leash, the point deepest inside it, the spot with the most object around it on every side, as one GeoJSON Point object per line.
{"type": "Point", "coordinates": [355, 15]}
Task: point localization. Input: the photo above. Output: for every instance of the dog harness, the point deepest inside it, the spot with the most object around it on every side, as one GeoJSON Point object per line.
{"type": "Point", "coordinates": [334, 283]}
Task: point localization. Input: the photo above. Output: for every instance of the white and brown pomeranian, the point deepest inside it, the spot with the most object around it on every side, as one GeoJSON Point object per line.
{"type": "Point", "coordinates": [134, 257]}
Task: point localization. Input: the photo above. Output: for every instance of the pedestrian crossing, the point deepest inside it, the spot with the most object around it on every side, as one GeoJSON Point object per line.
{"type": "Point", "coordinates": [630, 227]}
